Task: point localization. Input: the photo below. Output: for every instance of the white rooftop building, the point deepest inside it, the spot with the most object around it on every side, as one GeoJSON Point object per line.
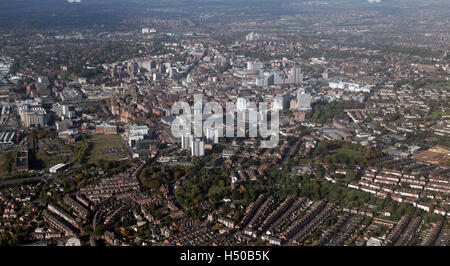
{"type": "Point", "coordinates": [57, 168]}
{"type": "Point", "coordinates": [137, 133]}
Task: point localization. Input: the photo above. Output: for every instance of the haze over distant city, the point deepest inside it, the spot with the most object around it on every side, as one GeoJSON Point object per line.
{"type": "Point", "coordinates": [224, 123]}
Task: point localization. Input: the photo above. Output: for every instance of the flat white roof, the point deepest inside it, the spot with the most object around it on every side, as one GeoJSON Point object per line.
{"type": "Point", "coordinates": [58, 166]}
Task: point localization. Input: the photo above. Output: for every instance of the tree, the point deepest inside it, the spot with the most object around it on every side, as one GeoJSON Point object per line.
{"type": "Point", "coordinates": [320, 171]}
{"type": "Point", "coordinates": [236, 195]}
{"type": "Point", "coordinates": [350, 175]}
{"type": "Point", "coordinates": [8, 166]}
{"type": "Point", "coordinates": [87, 229]}
{"type": "Point", "coordinates": [99, 230]}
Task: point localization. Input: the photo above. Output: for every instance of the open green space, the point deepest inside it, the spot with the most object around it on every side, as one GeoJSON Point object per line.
{"type": "Point", "coordinates": [100, 143]}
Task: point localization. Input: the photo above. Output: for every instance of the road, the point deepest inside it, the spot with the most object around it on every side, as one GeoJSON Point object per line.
{"type": "Point", "coordinates": [20, 180]}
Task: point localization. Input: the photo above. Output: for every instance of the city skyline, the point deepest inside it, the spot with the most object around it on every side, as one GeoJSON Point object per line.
{"type": "Point", "coordinates": [238, 124]}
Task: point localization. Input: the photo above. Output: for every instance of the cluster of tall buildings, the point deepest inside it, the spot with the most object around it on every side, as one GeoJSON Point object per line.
{"type": "Point", "coordinates": [196, 145]}
{"type": "Point", "coordinates": [302, 101]}
{"type": "Point", "coordinates": [280, 78]}
{"type": "Point", "coordinates": [253, 36]}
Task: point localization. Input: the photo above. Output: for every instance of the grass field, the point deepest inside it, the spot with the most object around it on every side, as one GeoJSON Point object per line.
{"type": "Point", "coordinates": [52, 152]}
{"type": "Point", "coordinates": [3, 171]}
{"type": "Point", "coordinates": [343, 155]}
{"type": "Point", "coordinates": [4, 158]}
{"type": "Point", "coordinates": [288, 18]}
{"type": "Point", "coordinates": [103, 142]}
{"type": "Point", "coordinates": [48, 160]}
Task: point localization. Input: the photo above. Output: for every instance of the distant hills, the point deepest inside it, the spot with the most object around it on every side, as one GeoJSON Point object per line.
{"type": "Point", "coordinates": [43, 14]}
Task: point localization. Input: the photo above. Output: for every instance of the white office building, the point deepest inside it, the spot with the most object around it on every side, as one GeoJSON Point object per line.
{"type": "Point", "coordinates": [303, 99]}
{"type": "Point", "coordinates": [254, 66]}
{"type": "Point", "coordinates": [197, 147]}
{"type": "Point", "coordinates": [241, 104]}
{"type": "Point", "coordinates": [212, 135]}
{"type": "Point", "coordinates": [296, 75]}
{"type": "Point", "coordinates": [137, 133]}
{"type": "Point", "coordinates": [186, 141]}
{"type": "Point", "coordinates": [281, 102]}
